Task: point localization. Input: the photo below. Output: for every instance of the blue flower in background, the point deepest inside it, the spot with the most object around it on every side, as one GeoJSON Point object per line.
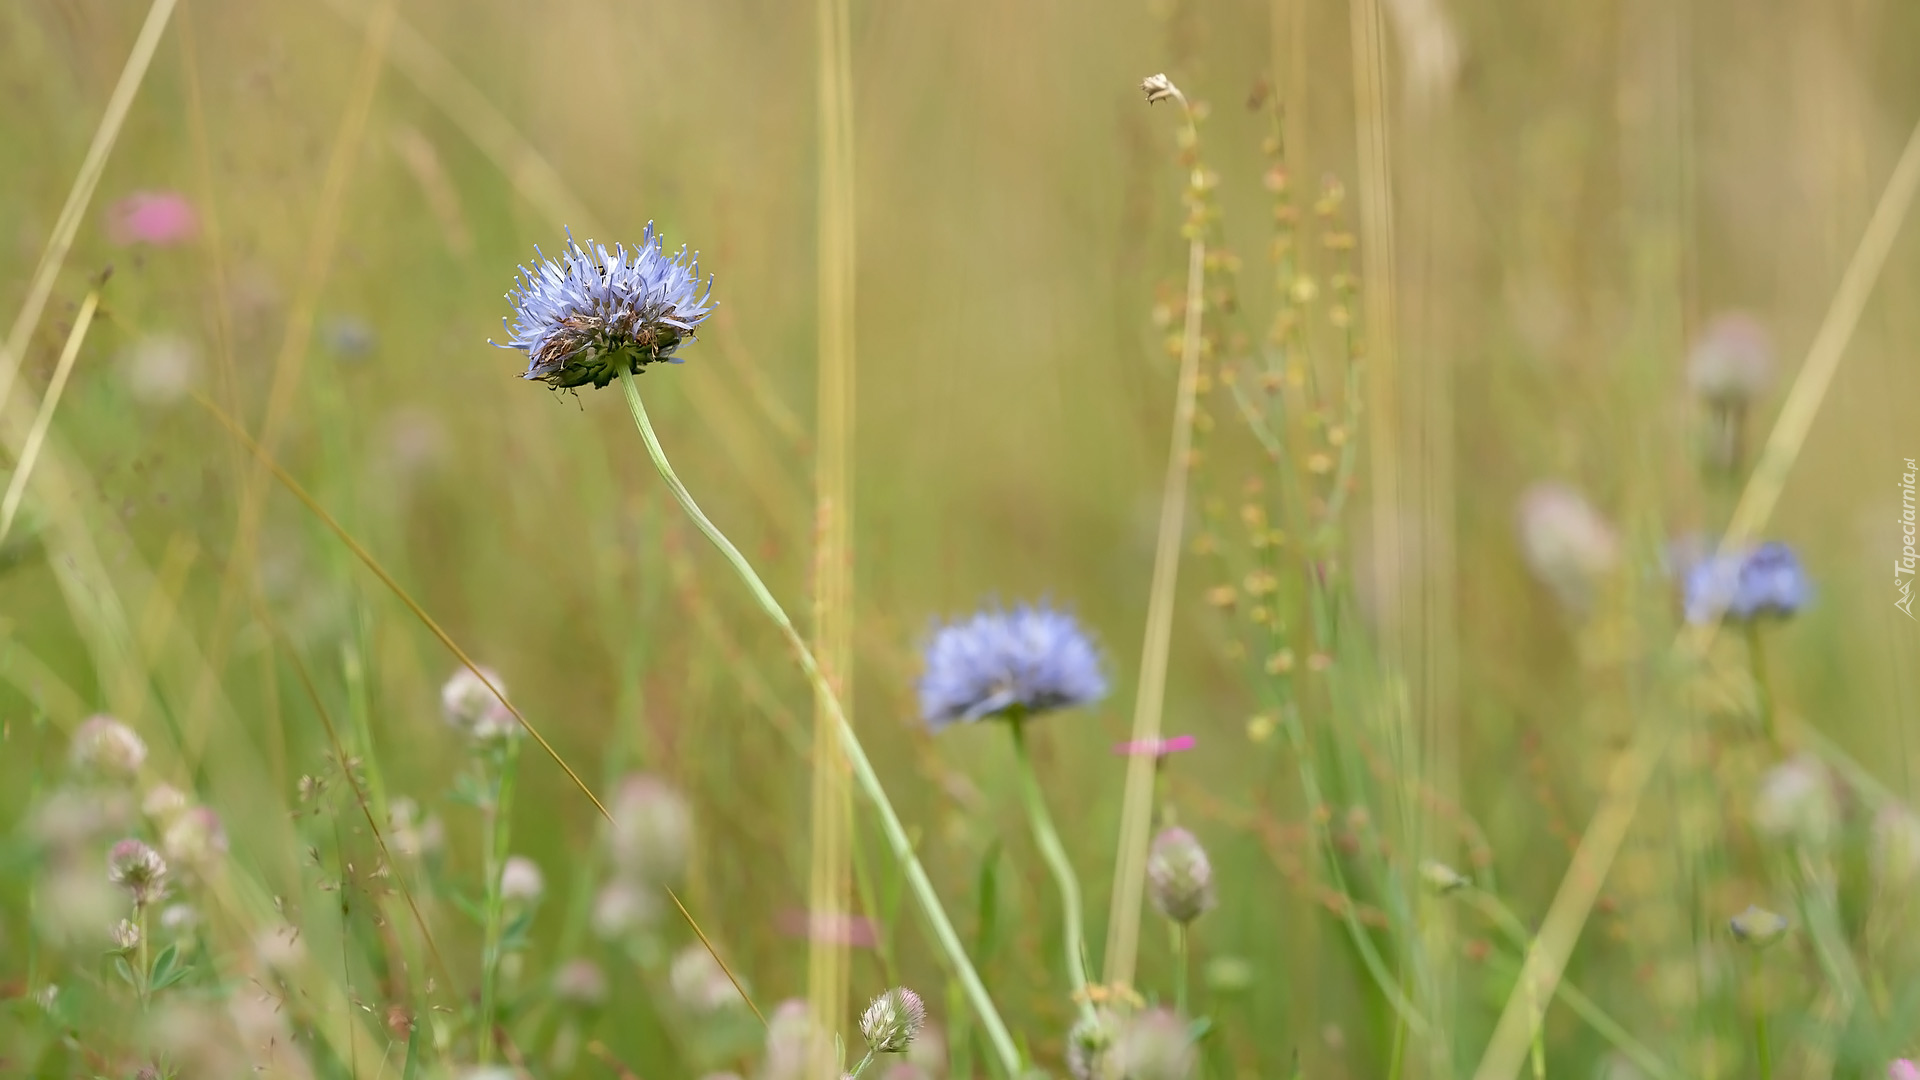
{"type": "Point", "coordinates": [1768, 580]}
{"type": "Point", "coordinates": [583, 317]}
{"type": "Point", "coordinates": [1030, 660]}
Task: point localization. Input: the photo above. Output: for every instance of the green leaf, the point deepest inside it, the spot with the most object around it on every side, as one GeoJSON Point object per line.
{"type": "Point", "coordinates": [474, 909]}
{"type": "Point", "coordinates": [467, 790]}
{"type": "Point", "coordinates": [514, 937]}
{"type": "Point", "coordinates": [125, 971]}
{"type": "Point", "coordinates": [411, 1070]}
{"type": "Point", "coordinates": [173, 976]}
{"type": "Point", "coordinates": [162, 966]}
{"type": "Point", "coordinates": [988, 898]}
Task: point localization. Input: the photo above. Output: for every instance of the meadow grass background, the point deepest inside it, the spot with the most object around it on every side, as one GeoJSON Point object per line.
{"type": "Point", "coordinates": [1576, 190]}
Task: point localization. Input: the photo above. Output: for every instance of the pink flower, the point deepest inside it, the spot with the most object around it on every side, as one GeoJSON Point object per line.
{"type": "Point", "coordinates": [160, 218]}
{"type": "Point", "coordinates": [826, 927]}
{"type": "Point", "coordinates": [1157, 748]}
{"type": "Point", "coordinates": [1903, 1069]}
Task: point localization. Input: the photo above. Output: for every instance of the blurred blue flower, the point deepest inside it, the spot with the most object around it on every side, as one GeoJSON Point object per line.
{"type": "Point", "coordinates": [585, 316]}
{"type": "Point", "coordinates": [350, 337]}
{"type": "Point", "coordinates": [1743, 586]}
{"type": "Point", "coordinates": [1030, 659]}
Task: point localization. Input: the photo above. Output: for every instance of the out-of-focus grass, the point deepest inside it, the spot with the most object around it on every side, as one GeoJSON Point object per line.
{"type": "Point", "coordinates": [1572, 202]}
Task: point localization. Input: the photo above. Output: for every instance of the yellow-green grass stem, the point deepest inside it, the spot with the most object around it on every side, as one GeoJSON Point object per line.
{"type": "Point", "coordinates": [67, 225]}
{"type": "Point", "coordinates": [1136, 808]}
{"type": "Point", "coordinates": [143, 956]}
{"type": "Point", "coordinates": [43, 419]}
{"type": "Point", "coordinates": [1634, 769]}
{"type": "Point", "coordinates": [1181, 961]}
{"type": "Point", "coordinates": [502, 761]}
{"type": "Point", "coordinates": [1047, 838]}
{"type": "Point", "coordinates": [863, 774]}
{"type": "Point", "coordinates": [1597, 1018]}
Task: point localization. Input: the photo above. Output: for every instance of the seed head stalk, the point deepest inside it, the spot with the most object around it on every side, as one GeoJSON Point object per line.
{"type": "Point", "coordinates": [145, 963]}
{"type": "Point", "coordinates": [502, 763]}
{"type": "Point", "coordinates": [1123, 924]}
{"type": "Point", "coordinates": [863, 774]}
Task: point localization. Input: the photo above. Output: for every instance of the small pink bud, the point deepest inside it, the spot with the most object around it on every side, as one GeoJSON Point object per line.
{"type": "Point", "coordinates": [159, 218]}
{"type": "Point", "coordinates": [1156, 748]}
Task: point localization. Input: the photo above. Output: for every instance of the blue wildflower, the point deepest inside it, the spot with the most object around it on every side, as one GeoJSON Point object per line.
{"type": "Point", "coordinates": [585, 316]}
{"type": "Point", "coordinates": [1744, 586]}
{"type": "Point", "coordinates": [1028, 660]}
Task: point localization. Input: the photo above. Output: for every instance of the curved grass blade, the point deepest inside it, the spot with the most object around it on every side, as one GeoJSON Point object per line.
{"type": "Point", "coordinates": [43, 419]}
{"type": "Point", "coordinates": [81, 194]}
{"type": "Point", "coordinates": [1634, 770]}
{"type": "Point", "coordinates": [306, 499]}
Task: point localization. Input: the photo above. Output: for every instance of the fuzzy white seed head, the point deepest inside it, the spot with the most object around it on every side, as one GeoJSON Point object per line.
{"type": "Point", "coordinates": [196, 840]}
{"type": "Point", "coordinates": [1796, 803]}
{"type": "Point", "coordinates": [1091, 1046]}
{"type": "Point", "coordinates": [1758, 927]}
{"type": "Point", "coordinates": [652, 829]}
{"type": "Point", "coordinates": [580, 982]}
{"type": "Point", "coordinates": [471, 707]}
{"type": "Point", "coordinates": [138, 869]}
{"type": "Point", "coordinates": [108, 749]}
{"type": "Point", "coordinates": [1156, 1045]}
{"type": "Point", "coordinates": [891, 1022]}
{"type": "Point", "coordinates": [521, 881]}
{"type": "Point", "coordinates": [1567, 545]}
{"type": "Point", "coordinates": [699, 982]}
{"type": "Point", "coordinates": [1732, 363]}
{"type": "Point", "coordinates": [1179, 876]}
{"type": "Point", "coordinates": [1441, 878]}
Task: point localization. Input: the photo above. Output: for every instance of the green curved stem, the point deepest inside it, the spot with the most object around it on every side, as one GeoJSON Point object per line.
{"type": "Point", "coordinates": [1181, 963]}
{"type": "Point", "coordinates": [503, 759]}
{"type": "Point", "coordinates": [863, 774]}
{"type": "Point", "coordinates": [1055, 854]}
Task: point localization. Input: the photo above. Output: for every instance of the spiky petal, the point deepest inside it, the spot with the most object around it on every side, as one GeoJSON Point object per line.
{"type": "Point", "coordinates": [585, 316]}
{"type": "Point", "coordinates": [1030, 659]}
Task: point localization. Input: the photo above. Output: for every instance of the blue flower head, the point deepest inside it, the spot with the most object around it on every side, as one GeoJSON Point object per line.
{"type": "Point", "coordinates": [1028, 660]}
{"type": "Point", "coordinates": [1744, 586]}
{"type": "Point", "coordinates": [582, 317]}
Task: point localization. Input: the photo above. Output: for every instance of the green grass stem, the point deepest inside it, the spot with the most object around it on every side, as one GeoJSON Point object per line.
{"type": "Point", "coordinates": [944, 934]}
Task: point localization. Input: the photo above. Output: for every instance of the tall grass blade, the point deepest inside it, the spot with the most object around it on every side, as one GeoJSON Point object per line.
{"type": "Point", "coordinates": [43, 418]}
{"type": "Point", "coordinates": [1136, 813]}
{"type": "Point", "coordinates": [833, 611]}
{"type": "Point", "coordinates": [1628, 779]}
{"type": "Point", "coordinates": [80, 196]}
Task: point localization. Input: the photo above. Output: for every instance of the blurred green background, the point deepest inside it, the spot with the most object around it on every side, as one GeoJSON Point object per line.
{"type": "Point", "coordinates": [1576, 190]}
